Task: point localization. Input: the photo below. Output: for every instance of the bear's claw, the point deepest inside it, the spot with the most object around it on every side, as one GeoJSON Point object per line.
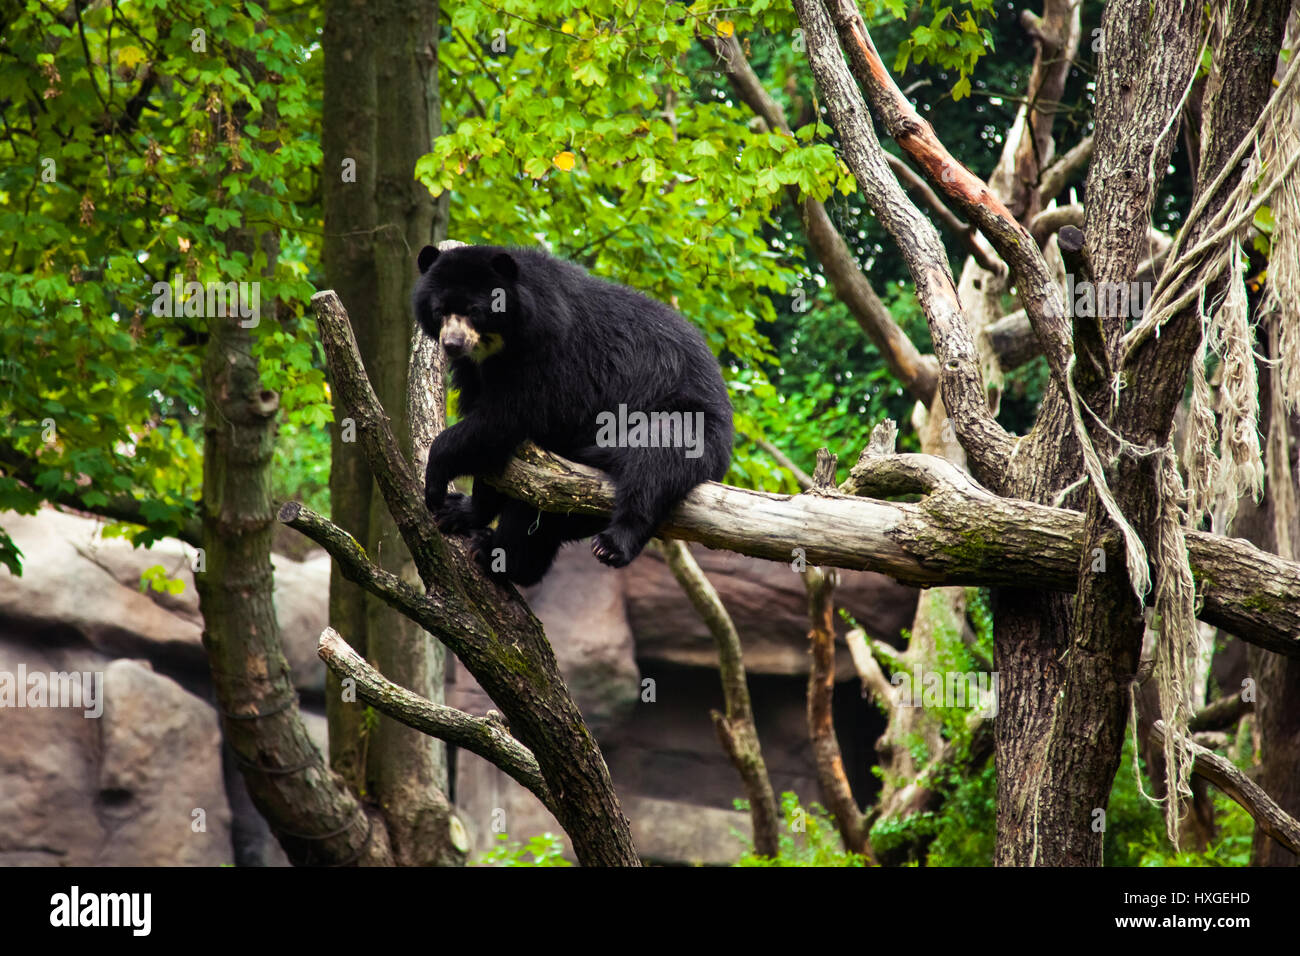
{"type": "Point", "coordinates": [610, 548]}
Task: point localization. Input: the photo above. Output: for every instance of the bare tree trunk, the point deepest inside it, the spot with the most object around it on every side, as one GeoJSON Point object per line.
{"type": "Point", "coordinates": [1140, 87]}
{"type": "Point", "coordinates": [408, 769]}
{"type": "Point", "coordinates": [381, 70]}
{"type": "Point", "coordinates": [348, 186]}
{"type": "Point", "coordinates": [312, 813]}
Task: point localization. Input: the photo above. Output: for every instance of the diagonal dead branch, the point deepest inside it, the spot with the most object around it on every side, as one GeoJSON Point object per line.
{"type": "Point", "coordinates": [479, 735]}
{"type": "Point", "coordinates": [836, 793]}
{"type": "Point", "coordinates": [736, 730]}
{"type": "Point", "coordinates": [1223, 773]}
{"type": "Point", "coordinates": [960, 373]}
{"type": "Point", "coordinates": [1039, 295]}
{"type": "Point", "coordinates": [1059, 173]}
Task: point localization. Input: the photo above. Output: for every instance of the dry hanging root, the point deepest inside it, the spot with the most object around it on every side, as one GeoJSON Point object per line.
{"type": "Point", "coordinates": [1232, 334]}
{"type": "Point", "coordinates": [1280, 141]}
{"type": "Point", "coordinates": [1177, 638]}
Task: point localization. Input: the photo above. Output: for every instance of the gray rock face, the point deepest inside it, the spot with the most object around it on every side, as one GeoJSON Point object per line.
{"type": "Point", "coordinates": [121, 789]}
{"type": "Point", "coordinates": [768, 604]}
{"type": "Point", "coordinates": [151, 727]}
{"type": "Point", "coordinates": [78, 582]}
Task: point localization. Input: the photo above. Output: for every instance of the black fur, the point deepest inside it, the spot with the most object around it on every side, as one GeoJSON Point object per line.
{"type": "Point", "coordinates": [573, 346]}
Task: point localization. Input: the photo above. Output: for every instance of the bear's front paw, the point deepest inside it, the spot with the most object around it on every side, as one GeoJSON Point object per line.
{"type": "Point", "coordinates": [615, 547]}
{"type": "Point", "coordinates": [455, 515]}
{"type": "Point", "coordinates": [435, 493]}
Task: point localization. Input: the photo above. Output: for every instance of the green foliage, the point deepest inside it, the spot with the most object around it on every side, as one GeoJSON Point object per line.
{"type": "Point", "coordinates": [952, 40]}
{"type": "Point", "coordinates": [134, 140]}
{"type": "Point", "coordinates": [302, 465]}
{"type": "Point", "coordinates": [807, 838]}
{"type": "Point", "coordinates": [156, 578]}
{"type": "Point", "coordinates": [979, 612]}
{"type": "Point", "coordinates": [544, 849]}
{"type": "Point", "coordinates": [577, 127]}
{"type": "Point", "coordinates": [10, 555]}
{"type": "Point", "coordinates": [963, 832]}
{"type": "Point", "coordinates": [369, 721]}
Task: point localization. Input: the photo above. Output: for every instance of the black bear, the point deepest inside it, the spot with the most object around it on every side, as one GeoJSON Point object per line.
{"type": "Point", "coordinates": [588, 369]}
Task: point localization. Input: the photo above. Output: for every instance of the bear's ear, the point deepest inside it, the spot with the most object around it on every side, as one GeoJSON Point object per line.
{"type": "Point", "coordinates": [426, 257]}
{"type": "Point", "coordinates": [505, 266]}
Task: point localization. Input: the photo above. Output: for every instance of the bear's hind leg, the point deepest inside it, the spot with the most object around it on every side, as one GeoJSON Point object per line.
{"type": "Point", "coordinates": [646, 490]}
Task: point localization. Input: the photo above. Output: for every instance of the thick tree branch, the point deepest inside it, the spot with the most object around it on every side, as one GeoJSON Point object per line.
{"type": "Point", "coordinates": [479, 735]}
{"type": "Point", "coordinates": [425, 609]}
{"type": "Point", "coordinates": [1012, 338]}
{"type": "Point", "coordinates": [1048, 222]}
{"type": "Point", "coordinates": [1220, 714]}
{"type": "Point", "coordinates": [952, 536]}
{"type": "Point", "coordinates": [869, 670]}
{"type": "Point", "coordinates": [967, 233]}
{"type": "Point", "coordinates": [1039, 295]}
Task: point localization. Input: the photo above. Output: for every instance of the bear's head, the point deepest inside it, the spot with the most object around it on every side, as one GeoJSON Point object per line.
{"type": "Point", "coordinates": [466, 297]}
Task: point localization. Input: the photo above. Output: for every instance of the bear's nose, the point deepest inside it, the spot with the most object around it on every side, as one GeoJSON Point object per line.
{"type": "Point", "coordinates": [453, 344]}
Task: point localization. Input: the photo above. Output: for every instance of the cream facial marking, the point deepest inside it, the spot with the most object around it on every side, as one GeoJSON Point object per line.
{"type": "Point", "coordinates": [460, 338]}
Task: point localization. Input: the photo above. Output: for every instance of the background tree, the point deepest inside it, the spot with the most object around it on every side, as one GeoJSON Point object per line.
{"type": "Point", "coordinates": [380, 111]}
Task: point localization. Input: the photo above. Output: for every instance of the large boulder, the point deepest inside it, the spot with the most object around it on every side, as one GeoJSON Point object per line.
{"type": "Point", "coordinates": [768, 604]}
{"type": "Point", "coordinates": [75, 579]}
{"type": "Point", "coordinates": [120, 788]}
